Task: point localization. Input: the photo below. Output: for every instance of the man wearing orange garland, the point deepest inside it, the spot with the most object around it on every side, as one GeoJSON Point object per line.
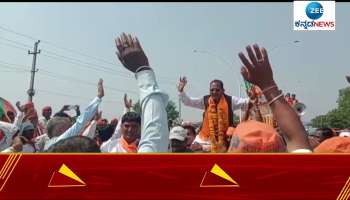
{"type": "Point", "coordinates": [217, 117]}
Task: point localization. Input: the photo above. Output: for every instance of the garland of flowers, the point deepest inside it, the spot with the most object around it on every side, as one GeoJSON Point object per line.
{"type": "Point", "coordinates": [216, 128]}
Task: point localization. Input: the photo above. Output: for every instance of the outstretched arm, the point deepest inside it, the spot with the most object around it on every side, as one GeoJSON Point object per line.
{"type": "Point", "coordinates": [257, 70]}
{"type": "Point", "coordinates": [83, 119]}
{"type": "Point", "coordinates": [154, 131]}
{"type": "Point", "coordinates": [188, 101]}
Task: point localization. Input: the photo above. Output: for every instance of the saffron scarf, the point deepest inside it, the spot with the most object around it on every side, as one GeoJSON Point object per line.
{"type": "Point", "coordinates": [215, 124]}
{"type": "Point", "coordinates": [130, 148]}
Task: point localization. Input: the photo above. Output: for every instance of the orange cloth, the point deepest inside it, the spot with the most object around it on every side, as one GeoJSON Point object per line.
{"type": "Point", "coordinates": [204, 133]}
{"type": "Point", "coordinates": [334, 145]}
{"type": "Point", "coordinates": [31, 115]}
{"type": "Point", "coordinates": [130, 148]}
{"type": "Point", "coordinates": [254, 136]}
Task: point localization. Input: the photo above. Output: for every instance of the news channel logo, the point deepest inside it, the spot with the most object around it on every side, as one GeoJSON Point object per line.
{"type": "Point", "coordinates": [314, 15]}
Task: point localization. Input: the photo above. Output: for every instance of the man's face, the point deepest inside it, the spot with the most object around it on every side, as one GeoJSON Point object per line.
{"type": "Point", "coordinates": [190, 137]}
{"type": "Point", "coordinates": [131, 131]}
{"type": "Point", "coordinates": [47, 113]}
{"type": "Point", "coordinates": [216, 91]}
{"type": "Point", "coordinates": [293, 96]}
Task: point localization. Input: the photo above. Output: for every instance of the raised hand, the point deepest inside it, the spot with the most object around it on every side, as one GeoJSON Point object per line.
{"type": "Point", "coordinates": [100, 90]}
{"type": "Point", "coordinates": [127, 103]}
{"type": "Point", "coordinates": [257, 69]}
{"type": "Point", "coordinates": [19, 107]}
{"type": "Point", "coordinates": [130, 52]}
{"type": "Point", "coordinates": [98, 115]}
{"type": "Point", "coordinates": [182, 84]}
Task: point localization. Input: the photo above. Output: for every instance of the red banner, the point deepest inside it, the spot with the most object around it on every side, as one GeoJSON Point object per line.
{"type": "Point", "coordinates": [175, 176]}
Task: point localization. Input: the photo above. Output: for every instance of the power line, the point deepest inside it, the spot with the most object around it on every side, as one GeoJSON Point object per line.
{"type": "Point", "coordinates": [9, 66]}
{"type": "Point", "coordinates": [56, 46]}
{"type": "Point", "coordinates": [73, 96]}
{"type": "Point", "coordinates": [11, 45]}
{"type": "Point", "coordinates": [63, 77]}
{"type": "Point", "coordinates": [14, 70]}
{"type": "Point", "coordinates": [160, 77]}
{"type": "Point", "coordinates": [17, 33]}
{"type": "Point", "coordinates": [16, 42]}
{"type": "Point", "coordinates": [81, 65]}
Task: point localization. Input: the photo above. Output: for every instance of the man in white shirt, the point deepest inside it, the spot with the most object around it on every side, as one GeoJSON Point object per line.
{"type": "Point", "coordinates": [8, 130]}
{"type": "Point", "coordinates": [154, 131]}
{"type": "Point", "coordinates": [129, 127]}
{"type": "Point", "coordinates": [60, 128]}
{"type": "Point", "coordinates": [219, 100]}
{"type": "Point", "coordinates": [25, 134]}
{"type": "Point", "coordinates": [46, 112]}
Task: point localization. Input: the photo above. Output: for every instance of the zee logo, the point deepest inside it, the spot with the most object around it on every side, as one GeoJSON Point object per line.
{"type": "Point", "coordinates": [314, 10]}
{"type": "Point", "coordinates": [314, 15]}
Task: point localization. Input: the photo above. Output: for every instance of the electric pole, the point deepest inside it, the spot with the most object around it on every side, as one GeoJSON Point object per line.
{"type": "Point", "coordinates": [180, 110]}
{"type": "Point", "coordinates": [31, 91]}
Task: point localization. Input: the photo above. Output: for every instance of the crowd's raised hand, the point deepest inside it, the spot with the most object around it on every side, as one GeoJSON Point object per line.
{"type": "Point", "coordinates": [127, 103]}
{"type": "Point", "coordinates": [257, 70]}
{"type": "Point", "coordinates": [182, 84]}
{"type": "Point", "coordinates": [130, 53]}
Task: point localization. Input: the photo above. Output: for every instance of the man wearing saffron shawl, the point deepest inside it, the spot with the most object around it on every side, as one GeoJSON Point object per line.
{"type": "Point", "coordinates": [217, 117]}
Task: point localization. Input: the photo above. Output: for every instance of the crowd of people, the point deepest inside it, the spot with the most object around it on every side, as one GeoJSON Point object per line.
{"type": "Point", "coordinates": [149, 131]}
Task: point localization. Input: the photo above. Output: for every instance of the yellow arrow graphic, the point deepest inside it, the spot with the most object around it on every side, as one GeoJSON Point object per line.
{"type": "Point", "coordinates": [68, 172]}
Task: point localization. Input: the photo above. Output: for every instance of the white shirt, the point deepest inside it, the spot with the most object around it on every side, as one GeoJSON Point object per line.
{"type": "Point", "coordinates": [206, 145]}
{"type": "Point", "coordinates": [154, 130]}
{"type": "Point", "coordinates": [237, 103]}
{"type": "Point", "coordinates": [112, 146]}
{"type": "Point", "coordinates": [301, 151]}
{"type": "Point", "coordinates": [90, 131]}
{"type": "Point", "coordinates": [40, 142]}
{"type": "Point", "coordinates": [27, 148]}
{"type": "Point", "coordinates": [81, 121]}
{"type": "Point", "coordinates": [43, 123]}
{"type": "Point", "coordinates": [9, 130]}
{"type": "Point", "coordinates": [154, 125]}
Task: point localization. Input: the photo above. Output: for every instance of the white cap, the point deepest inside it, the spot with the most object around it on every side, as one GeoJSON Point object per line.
{"type": "Point", "coordinates": [178, 133]}
{"type": "Point", "coordinates": [344, 134]}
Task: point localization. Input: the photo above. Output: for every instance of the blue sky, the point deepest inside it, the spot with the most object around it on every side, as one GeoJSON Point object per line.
{"type": "Point", "coordinates": [78, 48]}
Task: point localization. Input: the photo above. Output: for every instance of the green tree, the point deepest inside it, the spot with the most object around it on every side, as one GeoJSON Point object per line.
{"type": "Point", "coordinates": [339, 117]}
{"type": "Point", "coordinates": [172, 113]}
